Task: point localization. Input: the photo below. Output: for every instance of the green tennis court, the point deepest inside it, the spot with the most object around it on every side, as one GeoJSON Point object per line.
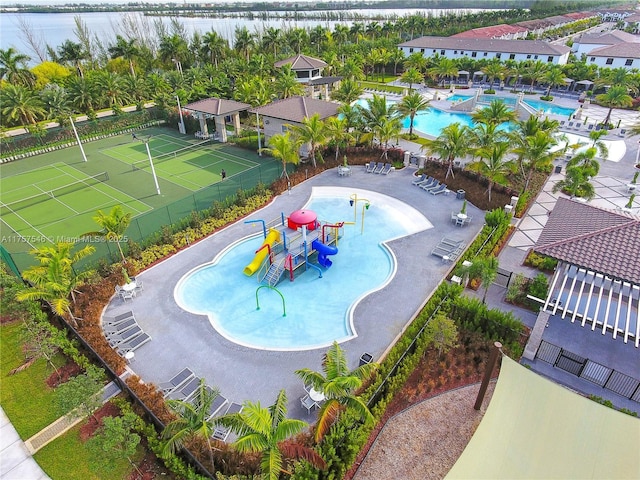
{"type": "Point", "coordinates": [56, 203]}
{"type": "Point", "coordinates": [190, 165]}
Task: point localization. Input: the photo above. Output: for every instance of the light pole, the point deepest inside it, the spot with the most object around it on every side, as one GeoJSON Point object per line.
{"type": "Point", "coordinates": [80, 143]}
{"type": "Point", "coordinates": [153, 170]}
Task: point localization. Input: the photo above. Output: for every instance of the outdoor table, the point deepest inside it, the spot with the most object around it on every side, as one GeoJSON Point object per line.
{"type": "Point", "coordinates": [316, 396]}
{"type": "Point", "coordinates": [128, 287]}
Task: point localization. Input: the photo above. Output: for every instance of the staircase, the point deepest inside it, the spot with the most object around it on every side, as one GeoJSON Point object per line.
{"type": "Point", "coordinates": [272, 277]}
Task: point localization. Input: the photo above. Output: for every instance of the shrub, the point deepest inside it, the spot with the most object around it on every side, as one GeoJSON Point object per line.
{"type": "Point", "coordinates": [496, 217]}
{"type": "Point", "coordinates": [539, 286]}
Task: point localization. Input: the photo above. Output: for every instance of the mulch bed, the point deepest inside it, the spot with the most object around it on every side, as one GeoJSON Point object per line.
{"type": "Point", "coordinates": [94, 422]}
{"type": "Point", "coordinates": [64, 373]}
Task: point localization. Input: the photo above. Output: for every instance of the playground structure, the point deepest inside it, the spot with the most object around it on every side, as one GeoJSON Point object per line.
{"type": "Point", "coordinates": [291, 243]}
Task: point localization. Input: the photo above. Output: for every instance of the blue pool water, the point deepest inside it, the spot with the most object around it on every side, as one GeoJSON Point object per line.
{"type": "Point", "coordinates": [550, 109]}
{"type": "Point", "coordinates": [318, 310]}
{"type": "Point", "coordinates": [458, 98]}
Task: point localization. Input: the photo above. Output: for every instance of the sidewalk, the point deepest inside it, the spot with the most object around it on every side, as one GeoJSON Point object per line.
{"type": "Point", "coordinates": [16, 462]}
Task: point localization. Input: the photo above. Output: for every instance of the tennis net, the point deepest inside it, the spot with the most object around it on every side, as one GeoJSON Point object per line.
{"type": "Point", "coordinates": [6, 208]}
{"type": "Point", "coordinates": [140, 164]}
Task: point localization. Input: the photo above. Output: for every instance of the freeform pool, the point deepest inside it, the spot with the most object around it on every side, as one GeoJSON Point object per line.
{"type": "Point", "coordinates": [318, 310]}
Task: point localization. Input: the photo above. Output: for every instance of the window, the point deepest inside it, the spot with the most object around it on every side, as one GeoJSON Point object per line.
{"type": "Point", "coordinates": [609, 61]}
{"type": "Point", "coordinates": [422, 50]}
{"type": "Point", "coordinates": [485, 54]}
{"type": "Point", "coordinates": [592, 59]}
{"type": "Point", "coordinates": [455, 52]}
{"type": "Point", "coordinates": [284, 128]}
{"type": "Point", "coordinates": [528, 56]}
{"type": "Point", "coordinates": [474, 54]}
{"type": "Point", "coordinates": [512, 56]}
{"type": "Point", "coordinates": [441, 52]}
{"type": "Point", "coordinates": [498, 55]}
{"type": "Point", "coordinates": [411, 50]}
{"type": "Point", "coordinates": [629, 62]}
{"type": "Point", "coordinates": [550, 59]}
{"type": "Point", "coordinates": [535, 57]}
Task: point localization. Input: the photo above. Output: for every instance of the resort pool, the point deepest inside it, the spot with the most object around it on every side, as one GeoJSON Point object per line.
{"type": "Point", "coordinates": [549, 108]}
{"type": "Point", "coordinates": [318, 310]}
{"type": "Point", "coordinates": [459, 98]}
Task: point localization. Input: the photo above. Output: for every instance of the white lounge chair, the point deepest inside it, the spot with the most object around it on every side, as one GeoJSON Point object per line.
{"type": "Point", "coordinates": [177, 380]}
{"type": "Point", "coordinates": [370, 167]}
{"type": "Point", "coordinates": [124, 336]}
{"type": "Point", "coordinates": [133, 344]}
{"type": "Point", "coordinates": [119, 327]}
{"type": "Point", "coordinates": [184, 391]}
{"type": "Point", "coordinates": [419, 179]}
{"type": "Point", "coordinates": [437, 184]}
{"type": "Point", "coordinates": [439, 189]}
{"type": "Point", "coordinates": [379, 167]}
{"type": "Point", "coordinates": [118, 318]}
{"type": "Point", "coordinates": [432, 183]}
{"type": "Point", "coordinates": [386, 169]}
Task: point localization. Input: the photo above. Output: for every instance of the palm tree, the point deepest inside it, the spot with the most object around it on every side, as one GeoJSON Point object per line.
{"type": "Point", "coordinates": [286, 83]}
{"type": "Point", "coordinates": [54, 280]}
{"type": "Point", "coordinates": [19, 104]}
{"type": "Point", "coordinates": [415, 60]}
{"type": "Point", "coordinates": [348, 91]}
{"type": "Point", "coordinates": [576, 184]}
{"type": "Point", "coordinates": [484, 135]}
{"type": "Point", "coordinates": [595, 136]}
{"type": "Point", "coordinates": [615, 97]}
{"type": "Point", "coordinates": [496, 113]}
{"type": "Point", "coordinates": [412, 104]}
{"type": "Point", "coordinates": [194, 420]}
{"type": "Point", "coordinates": [389, 128]}
{"type": "Point", "coordinates": [587, 161]}
{"type": "Point", "coordinates": [634, 130]}
{"type": "Point", "coordinates": [492, 70]}
{"type": "Point", "coordinates": [73, 53]}
{"type": "Point", "coordinates": [56, 103]}
{"type": "Point", "coordinates": [268, 430]}
{"type": "Point", "coordinates": [173, 49]}
{"type": "Point", "coordinates": [338, 385]}
{"type": "Point", "coordinates": [618, 77]}
{"type": "Point", "coordinates": [112, 226]}
{"type": "Point", "coordinates": [536, 72]}
{"type": "Point", "coordinates": [338, 133]}
{"type": "Point", "coordinates": [284, 148]}
{"type": "Point", "coordinates": [377, 109]}
{"type": "Point", "coordinates": [412, 76]}
{"type": "Point", "coordinates": [452, 143]}
{"type": "Point", "coordinates": [13, 68]}
{"type": "Point", "coordinates": [534, 154]}
{"type": "Point", "coordinates": [83, 93]}
{"type": "Point", "coordinates": [445, 68]}
{"type": "Point", "coordinates": [126, 49]}
{"type": "Point", "coordinates": [492, 164]}
{"type": "Point", "coordinates": [483, 268]}
{"type": "Point", "coordinates": [553, 77]}
{"type": "Point", "coordinates": [243, 41]}
{"type": "Point", "coordinates": [214, 45]}
{"type": "Point", "coordinates": [110, 86]}
{"type": "Point", "coordinates": [311, 132]}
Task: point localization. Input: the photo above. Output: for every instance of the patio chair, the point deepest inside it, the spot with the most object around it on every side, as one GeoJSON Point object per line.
{"type": "Point", "coordinates": [184, 391]}
{"type": "Point", "coordinates": [430, 184]}
{"type": "Point", "coordinates": [119, 327]}
{"type": "Point", "coordinates": [467, 220]}
{"type": "Point", "coordinates": [308, 403]}
{"type": "Point", "coordinates": [118, 318]}
{"type": "Point", "coordinates": [217, 406]}
{"type": "Point", "coordinates": [125, 336]}
{"type": "Point", "coordinates": [454, 217]}
{"type": "Point", "coordinates": [419, 179]}
{"type": "Point", "coordinates": [370, 167]}
{"type": "Point", "coordinates": [386, 169]}
{"type": "Point", "coordinates": [127, 295]}
{"type": "Point", "coordinates": [177, 380]}
{"type": "Point", "coordinates": [379, 168]}
{"type": "Point", "coordinates": [222, 433]}
{"type": "Point", "coordinates": [365, 359]}
{"type": "Point", "coordinates": [139, 286]}
{"type": "Point", "coordinates": [133, 344]}
{"type": "Point", "coordinates": [451, 242]}
{"type": "Point", "coordinates": [428, 180]}
{"type": "Point", "coordinates": [432, 187]}
{"type": "Point", "coordinates": [438, 190]}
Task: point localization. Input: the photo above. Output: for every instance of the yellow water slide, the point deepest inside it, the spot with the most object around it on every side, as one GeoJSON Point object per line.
{"type": "Point", "coordinates": [272, 237]}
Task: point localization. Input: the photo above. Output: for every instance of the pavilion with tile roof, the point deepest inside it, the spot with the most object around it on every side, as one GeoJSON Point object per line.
{"type": "Point", "coordinates": [220, 110]}
{"type": "Point", "coordinates": [308, 71]}
{"type": "Point", "coordinates": [597, 280]}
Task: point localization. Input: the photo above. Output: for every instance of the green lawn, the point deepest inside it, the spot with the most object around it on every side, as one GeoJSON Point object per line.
{"type": "Point", "coordinates": [25, 397]}
{"type": "Point", "coordinates": [382, 87]}
{"type": "Point", "coordinates": [67, 457]}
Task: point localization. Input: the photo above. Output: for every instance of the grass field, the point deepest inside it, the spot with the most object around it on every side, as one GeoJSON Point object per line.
{"type": "Point", "coordinates": [53, 197]}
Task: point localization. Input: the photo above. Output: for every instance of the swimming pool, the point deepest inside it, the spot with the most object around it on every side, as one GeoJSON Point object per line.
{"type": "Point", "coordinates": [318, 310]}
{"type": "Point", "coordinates": [549, 108]}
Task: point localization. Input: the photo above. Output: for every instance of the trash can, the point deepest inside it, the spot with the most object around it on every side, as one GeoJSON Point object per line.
{"type": "Point", "coordinates": [460, 194]}
{"type": "Point", "coordinates": [558, 169]}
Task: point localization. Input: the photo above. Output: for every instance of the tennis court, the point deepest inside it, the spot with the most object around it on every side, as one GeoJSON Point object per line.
{"type": "Point", "coordinates": [56, 203]}
{"type": "Point", "coordinates": [190, 165]}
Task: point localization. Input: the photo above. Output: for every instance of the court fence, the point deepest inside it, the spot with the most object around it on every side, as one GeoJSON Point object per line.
{"type": "Point", "coordinates": [147, 227]}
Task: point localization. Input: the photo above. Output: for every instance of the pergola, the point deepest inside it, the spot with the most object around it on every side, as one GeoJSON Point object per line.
{"type": "Point", "coordinates": [219, 109]}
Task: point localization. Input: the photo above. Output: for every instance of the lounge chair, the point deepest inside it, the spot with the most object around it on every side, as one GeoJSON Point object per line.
{"type": "Point", "coordinates": [439, 189]}
{"type": "Point", "coordinates": [184, 391]}
{"type": "Point", "coordinates": [125, 336]}
{"type": "Point", "coordinates": [119, 327]}
{"type": "Point", "coordinates": [217, 406]}
{"type": "Point", "coordinates": [623, 132]}
{"type": "Point", "coordinates": [222, 433]}
{"type": "Point", "coordinates": [426, 181]}
{"type": "Point", "coordinates": [454, 217]}
{"type": "Point", "coordinates": [177, 380]}
{"type": "Point", "coordinates": [365, 359]}
{"type": "Point", "coordinates": [430, 184]}
{"type": "Point", "coordinates": [440, 252]}
{"type": "Point", "coordinates": [379, 167]}
{"type": "Point", "coordinates": [419, 179]}
{"type": "Point", "coordinates": [451, 242]}
{"type": "Point", "coordinates": [370, 167]}
{"type": "Point", "coordinates": [308, 403]}
{"type": "Point", "coordinates": [133, 344]}
{"type": "Point", "coordinates": [118, 318]}
{"type": "Point", "coordinates": [578, 125]}
{"type": "Point", "coordinates": [432, 187]}
{"type": "Point", "coordinates": [386, 169]}
{"type": "Point", "coordinates": [126, 294]}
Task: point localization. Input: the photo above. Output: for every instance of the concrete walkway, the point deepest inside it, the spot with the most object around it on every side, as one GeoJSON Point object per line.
{"type": "Point", "coordinates": [16, 462]}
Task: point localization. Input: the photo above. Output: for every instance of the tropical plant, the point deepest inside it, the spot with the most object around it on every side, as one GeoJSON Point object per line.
{"type": "Point", "coordinates": [55, 279]}
{"type": "Point", "coordinates": [616, 97]}
{"type": "Point", "coordinates": [20, 104]}
{"type": "Point", "coordinates": [268, 431]}
{"type": "Point", "coordinates": [535, 154]}
{"type": "Point", "coordinates": [412, 76]}
{"type": "Point", "coordinates": [312, 132]}
{"type": "Point", "coordinates": [496, 113]}
{"type": "Point", "coordinates": [348, 91]}
{"type": "Point", "coordinates": [338, 133]}
{"type": "Point", "coordinates": [387, 130]}
{"type": "Point", "coordinates": [112, 226]}
{"type": "Point", "coordinates": [492, 164]}
{"type": "Point", "coordinates": [338, 385]}
{"type": "Point", "coordinates": [443, 69]}
{"type": "Point", "coordinates": [576, 183]}
{"type": "Point", "coordinates": [587, 161]}
{"type": "Point", "coordinates": [412, 104]}
{"type": "Point", "coordinates": [493, 70]}
{"type": "Point", "coordinates": [73, 53]}
{"type": "Point", "coordinates": [484, 269]}
{"type": "Point", "coordinates": [284, 148]}
{"type": "Point", "coordinates": [13, 68]}
{"type": "Point", "coordinates": [452, 143]}
{"type": "Point", "coordinates": [126, 49]}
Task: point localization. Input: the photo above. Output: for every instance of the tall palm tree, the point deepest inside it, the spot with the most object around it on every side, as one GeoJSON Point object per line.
{"type": "Point", "coordinates": [338, 385]}
{"type": "Point", "coordinates": [338, 133]}
{"type": "Point", "coordinates": [534, 154]}
{"type": "Point", "coordinates": [112, 226]}
{"type": "Point", "coordinates": [194, 420]}
{"type": "Point", "coordinates": [56, 103]}
{"type": "Point", "coordinates": [388, 129]}
{"type": "Point", "coordinates": [20, 105]}
{"type": "Point", "coordinates": [412, 104]}
{"type": "Point", "coordinates": [284, 148]}
{"type": "Point", "coordinates": [618, 77]}
{"type": "Point", "coordinates": [494, 70]}
{"type": "Point", "coordinates": [83, 93]}
{"type": "Point", "coordinates": [492, 164]}
{"type": "Point", "coordinates": [55, 280]}
{"type": "Point", "coordinates": [126, 49]}
{"type": "Point", "coordinates": [615, 97]}
{"type": "Point", "coordinates": [286, 84]}
{"type": "Point", "coordinates": [443, 69]}
{"type": "Point", "coordinates": [576, 183]}
{"type": "Point", "coordinates": [73, 53]}
{"type": "Point", "coordinates": [587, 161]}
{"type": "Point", "coordinates": [483, 135]}
{"type": "Point", "coordinates": [110, 86]}
{"type": "Point", "coordinates": [268, 431]}
{"type": "Point", "coordinates": [496, 113]}
{"type": "Point", "coordinates": [243, 41]}
{"type": "Point", "coordinates": [13, 68]}
{"type": "Point", "coordinates": [415, 60]}
{"type": "Point", "coordinates": [595, 136]}
{"type": "Point", "coordinates": [553, 77]}
{"type": "Point", "coordinates": [412, 76]}
{"type": "Point", "coordinates": [311, 132]}
{"type": "Point", "coordinates": [535, 71]}
{"type": "Point", "coordinates": [348, 91]}
{"type": "Point", "coordinates": [376, 111]}
{"type": "Point", "coordinates": [452, 143]}
{"type": "Point", "coordinates": [214, 45]}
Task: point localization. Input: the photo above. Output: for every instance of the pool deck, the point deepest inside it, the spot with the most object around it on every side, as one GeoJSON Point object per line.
{"type": "Point", "coordinates": [181, 339]}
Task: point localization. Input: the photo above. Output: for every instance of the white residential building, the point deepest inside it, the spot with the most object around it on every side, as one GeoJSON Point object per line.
{"type": "Point", "coordinates": [625, 55]}
{"type": "Point", "coordinates": [586, 43]}
{"type": "Point", "coordinates": [489, 49]}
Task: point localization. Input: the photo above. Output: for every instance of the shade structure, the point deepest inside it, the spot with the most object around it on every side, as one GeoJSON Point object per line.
{"type": "Point", "coordinates": [534, 428]}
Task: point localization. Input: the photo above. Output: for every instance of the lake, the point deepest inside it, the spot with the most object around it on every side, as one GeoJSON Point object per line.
{"type": "Point", "coordinates": [54, 28]}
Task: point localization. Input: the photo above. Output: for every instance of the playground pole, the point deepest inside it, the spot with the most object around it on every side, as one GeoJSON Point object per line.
{"type": "Point", "coordinates": [153, 170]}
{"type": "Point", "coordinates": [78, 139]}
